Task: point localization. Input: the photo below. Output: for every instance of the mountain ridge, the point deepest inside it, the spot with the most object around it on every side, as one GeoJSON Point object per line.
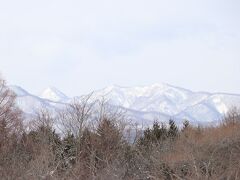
{"type": "Point", "coordinates": [143, 103]}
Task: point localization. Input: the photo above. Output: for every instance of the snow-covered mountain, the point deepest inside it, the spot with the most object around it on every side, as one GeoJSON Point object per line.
{"type": "Point", "coordinates": [30, 103]}
{"type": "Point", "coordinates": [53, 94]}
{"type": "Point", "coordinates": [162, 98]}
{"type": "Point", "coordinates": [144, 104]}
{"type": "Point", "coordinates": [171, 101]}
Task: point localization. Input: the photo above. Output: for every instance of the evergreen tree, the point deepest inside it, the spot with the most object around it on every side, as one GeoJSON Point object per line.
{"type": "Point", "coordinates": [186, 125]}
{"type": "Point", "coordinates": [69, 145]}
{"type": "Point", "coordinates": [68, 154]}
{"type": "Point", "coordinates": [159, 132]}
{"type": "Point", "coordinates": [156, 134]}
{"type": "Point", "coordinates": [108, 142]}
{"type": "Point", "coordinates": [173, 129]}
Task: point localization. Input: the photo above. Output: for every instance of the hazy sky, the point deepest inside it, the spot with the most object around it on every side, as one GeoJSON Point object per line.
{"type": "Point", "coordinates": [78, 46]}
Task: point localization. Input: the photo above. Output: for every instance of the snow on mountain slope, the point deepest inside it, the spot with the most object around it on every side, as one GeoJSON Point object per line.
{"type": "Point", "coordinates": [223, 102]}
{"type": "Point", "coordinates": [53, 94]}
{"type": "Point", "coordinates": [143, 104]}
{"type": "Point", "coordinates": [200, 113]}
{"type": "Point", "coordinates": [29, 103]}
{"type": "Point", "coordinates": [157, 97]}
{"type": "Point", "coordinates": [162, 98]}
{"type": "Point", "coordinates": [18, 91]}
{"type": "Point", "coordinates": [172, 101]}
{"type": "Point", "coordinates": [211, 109]}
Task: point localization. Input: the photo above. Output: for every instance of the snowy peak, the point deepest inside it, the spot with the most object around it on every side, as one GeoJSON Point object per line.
{"type": "Point", "coordinates": [53, 94]}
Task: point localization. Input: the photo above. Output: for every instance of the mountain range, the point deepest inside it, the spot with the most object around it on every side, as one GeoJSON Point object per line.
{"type": "Point", "coordinates": [143, 104]}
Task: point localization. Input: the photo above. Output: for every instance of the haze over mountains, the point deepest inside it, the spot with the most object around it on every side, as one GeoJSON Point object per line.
{"type": "Point", "coordinates": [143, 104]}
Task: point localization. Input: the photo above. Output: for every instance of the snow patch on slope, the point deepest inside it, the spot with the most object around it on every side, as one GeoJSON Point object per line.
{"type": "Point", "coordinates": [53, 94]}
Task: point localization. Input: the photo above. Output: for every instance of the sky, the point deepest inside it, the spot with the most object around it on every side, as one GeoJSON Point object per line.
{"type": "Point", "coordinates": [79, 46]}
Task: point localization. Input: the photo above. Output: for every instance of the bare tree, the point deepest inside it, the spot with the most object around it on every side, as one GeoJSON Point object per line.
{"type": "Point", "coordinates": [10, 132]}
{"type": "Point", "coordinates": [10, 115]}
{"type": "Point", "coordinates": [75, 116]}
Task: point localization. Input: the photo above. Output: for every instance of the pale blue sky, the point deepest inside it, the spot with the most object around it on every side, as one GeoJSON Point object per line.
{"type": "Point", "coordinates": [79, 46]}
